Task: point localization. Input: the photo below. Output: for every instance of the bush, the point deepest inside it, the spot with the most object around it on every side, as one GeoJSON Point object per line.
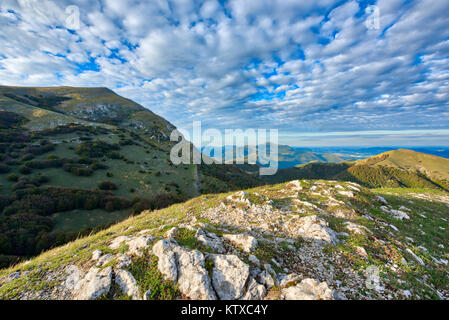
{"type": "Point", "coordinates": [25, 170]}
{"type": "Point", "coordinates": [13, 177]}
{"type": "Point", "coordinates": [107, 185]}
{"type": "Point", "coordinates": [4, 168]}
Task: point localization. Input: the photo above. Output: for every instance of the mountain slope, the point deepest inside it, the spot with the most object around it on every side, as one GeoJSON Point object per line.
{"type": "Point", "coordinates": [297, 240]}
{"type": "Point", "coordinates": [76, 159]}
{"type": "Point", "coordinates": [398, 168]}
{"type": "Point", "coordinates": [93, 105]}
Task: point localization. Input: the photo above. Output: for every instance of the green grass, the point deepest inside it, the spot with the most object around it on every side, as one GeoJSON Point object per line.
{"type": "Point", "coordinates": [148, 277]}
{"type": "Point", "coordinates": [76, 220]}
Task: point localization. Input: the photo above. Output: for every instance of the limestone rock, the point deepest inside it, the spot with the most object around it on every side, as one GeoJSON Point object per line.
{"type": "Point", "coordinates": [186, 267]}
{"type": "Point", "coordinates": [127, 284]}
{"type": "Point", "coordinates": [167, 260]}
{"type": "Point", "coordinates": [135, 244]}
{"type": "Point", "coordinates": [308, 289]}
{"type": "Point", "coordinates": [246, 242]}
{"type": "Point", "coordinates": [96, 255]}
{"type": "Point", "coordinates": [123, 261]}
{"type": "Point", "coordinates": [229, 276]}
{"type": "Point", "coordinates": [94, 284]}
{"type": "Point", "coordinates": [255, 291]}
{"type": "Point", "coordinates": [210, 239]}
{"type": "Point", "coordinates": [287, 280]}
{"type": "Point", "coordinates": [316, 228]}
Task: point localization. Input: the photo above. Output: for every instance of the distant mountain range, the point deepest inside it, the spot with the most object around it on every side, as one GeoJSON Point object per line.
{"type": "Point", "coordinates": [293, 156]}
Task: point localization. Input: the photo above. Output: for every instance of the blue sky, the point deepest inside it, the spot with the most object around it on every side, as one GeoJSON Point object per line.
{"type": "Point", "coordinates": [315, 70]}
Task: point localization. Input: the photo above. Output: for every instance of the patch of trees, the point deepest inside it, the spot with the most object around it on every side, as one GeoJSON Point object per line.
{"type": "Point", "coordinates": [4, 168]}
{"type": "Point", "coordinates": [71, 128]}
{"type": "Point", "coordinates": [231, 175]}
{"type": "Point", "coordinates": [107, 185]}
{"type": "Point", "coordinates": [95, 149]}
{"type": "Point", "coordinates": [36, 150]}
{"type": "Point", "coordinates": [45, 201]}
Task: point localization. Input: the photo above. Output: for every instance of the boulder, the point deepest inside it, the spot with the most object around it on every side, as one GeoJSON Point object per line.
{"type": "Point", "coordinates": [255, 291]}
{"type": "Point", "coordinates": [229, 276]}
{"type": "Point", "coordinates": [94, 284]}
{"type": "Point", "coordinates": [186, 267]}
{"type": "Point", "coordinates": [193, 278]}
{"type": "Point", "coordinates": [167, 260]}
{"type": "Point", "coordinates": [127, 284]}
{"type": "Point", "coordinates": [316, 228]}
{"type": "Point", "coordinates": [266, 279]}
{"type": "Point", "coordinates": [246, 242]}
{"type": "Point", "coordinates": [135, 244]}
{"type": "Point", "coordinates": [308, 289]}
{"type": "Point", "coordinates": [210, 239]}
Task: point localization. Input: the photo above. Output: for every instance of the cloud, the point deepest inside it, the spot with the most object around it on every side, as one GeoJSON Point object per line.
{"type": "Point", "coordinates": [300, 66]}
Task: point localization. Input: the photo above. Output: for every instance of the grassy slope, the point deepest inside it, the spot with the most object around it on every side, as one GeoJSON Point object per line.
{"type": "Point", "coordinates": [394, 168]}
{"type": "Point", "coordinates": [434, 167]}
{"type": "Point", "coordinates": [427, 227]}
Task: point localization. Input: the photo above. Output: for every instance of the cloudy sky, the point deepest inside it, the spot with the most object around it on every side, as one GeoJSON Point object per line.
{"type": "Point", "coordinates": [323, 72]}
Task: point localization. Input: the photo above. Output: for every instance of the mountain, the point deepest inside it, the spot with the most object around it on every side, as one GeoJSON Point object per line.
{"type": "Point", "coordinates": [287, 156]}
{"type": "Point", "coordinates": [296, 240]}
{"type": "Point", "coordinates": [73, 160]}
{"type": "Point", "coordinates": [397, 168]}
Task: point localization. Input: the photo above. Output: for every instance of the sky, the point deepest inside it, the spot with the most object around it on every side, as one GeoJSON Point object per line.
{"type": "Point", "coordinates": [322, 72]}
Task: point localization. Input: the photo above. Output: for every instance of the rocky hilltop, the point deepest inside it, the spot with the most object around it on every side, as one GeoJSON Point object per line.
{"type": "Point", "coordinates": [303, 239]}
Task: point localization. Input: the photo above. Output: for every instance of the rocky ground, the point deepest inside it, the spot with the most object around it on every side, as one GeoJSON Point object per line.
{"type": "Point", "coordinates": [298, 240]}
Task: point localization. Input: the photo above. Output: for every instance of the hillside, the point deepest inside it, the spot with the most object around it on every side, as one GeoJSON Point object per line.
{"type": "Point", "coordinates": [297, 240]}
{"type": "Point", "coordinates": [398, 168]}
{"type": "Point", "coordinates": [76, 159]}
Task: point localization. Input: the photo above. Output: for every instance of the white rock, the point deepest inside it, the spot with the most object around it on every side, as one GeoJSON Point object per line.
{"type": "Point", "coordinates": [210, 239]}
{"type": "Point", "coordinates": [135, 244]}
{"type": "Point", "coordinates": [406, 293]}
{"type": "Point", "coordinates": [127, 284]}
{"type": "Point", "coordinates": [170, 234]}
{"type": "Point", "coordinates": [246, 242]}
{"type": "Point", "coordinates": [315, 228]}
{"type": "Point", "coordinates": [286, 280]}
{"type": "Point", "coordinates": [382, 199]}
{"type": "Point", "coordinates": [186, 267]}
{"type": "Point", "coordinates": [193, 279]}
{"type": "Point", "coordinates": [356, 228]}
{"type": "Point", "coordinates": [167, 260]}
{"type": "Point", "coordinates": [266, 279]}
{"type": "Point", "coordinates": [295, 185]}
{"type": "Point", "coordinates": [94, 284]}
{"type": "Point", "coordinates": [254, 291]}
{"type": "Point", "coordinates": [415, 256]}
{"type": "Point", "coordinates": [348, 194]}
{"type": "Point", "coordinates": [398, 214]}
{"type": "Point", "coordinates": [74, 276]}
{"type": "Point", "coordinates": [229, 276]}
{"type": "Point", "coordinates": [254, 259]}
{"type": "Point", "coordinates": [123, 261]}
{"type": "Point", "coordinates": [308, 289]}
{"type": "Point", "coordinates": [361, 251]}
{"type": "Point", "coordinates": [105, 259]}
{"type": "Point", "coordinates": [119, 241]}
{"type": "Point", "coordinates": [96, 255]}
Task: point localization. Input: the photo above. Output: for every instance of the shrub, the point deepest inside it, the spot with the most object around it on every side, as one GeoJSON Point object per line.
{"type": "Point", "coordinates": [25, 170]}
{"type": "Point", "coordinates": [107, 185]}
{"type": "Point", "coordinates": [13, 177]}
{"type": "Point", "coordinates": [4, 168]}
